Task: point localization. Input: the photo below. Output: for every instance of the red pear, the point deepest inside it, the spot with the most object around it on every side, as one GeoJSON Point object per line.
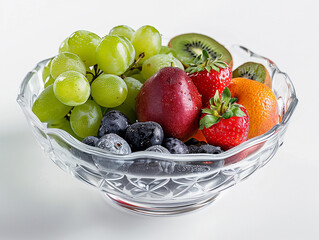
{"type": "Point", "coordinates": [171, 99]}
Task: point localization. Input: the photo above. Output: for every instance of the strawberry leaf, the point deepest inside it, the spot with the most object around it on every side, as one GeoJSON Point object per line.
{"type": "Point", "coordinates": [216, 99]}
{"type": "Point", "coordinates": [237, 112]}
{"type": "Point", "coordinates": [233, 100]}
{"type": "Point", "coordinates": [205, 61]}
{"type": "Point", "coordinates": [211, 101]}
{"type": "Point", "coordinates": [208, 111]}
{"type": "Point", "coordinates": [200, 68]}
{"type": "Point", "coordinates": [208, 68]}
{"type": "Point", "coordinates": [226, 96]}
{"type": "Point", "coordinates": [227, 114]}
{"type": "Point", "coordinates": [221, 64]}
{"type": "Point", "coordinates": [215, 68]}
{"type": "Point", "coordinates": [208, 121]}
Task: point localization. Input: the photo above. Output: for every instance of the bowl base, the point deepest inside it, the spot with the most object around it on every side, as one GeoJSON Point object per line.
{"type": "Point", "coordinates": [159, 209]}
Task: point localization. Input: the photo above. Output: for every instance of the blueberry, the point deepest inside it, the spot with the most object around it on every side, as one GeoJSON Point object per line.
{"type": "Point", "coordinates": [175, 146]}
{"type": "Point", "coordinates": [206, 148]}
{"type": "Point", "coordinates": [193, 148]}
{"type": "Point", "coordinates": [142, 135]}
{"type": "Point", "coordinates": [113, 122]}
{"type": "Point", "coordinates": [193, 145]}
{"type": "Point", "coordinates": [209, 149]}
{"type": "Point", "coordinates": [192, 141]}
{"type": "Point", "coordinates": [90, 140]}
{"type": "Point", "coordinates": [152, 167]}
{"type": "Point", "coordinates": [113, 143]}
{"type": "Point", "coordinates": [157, 148]}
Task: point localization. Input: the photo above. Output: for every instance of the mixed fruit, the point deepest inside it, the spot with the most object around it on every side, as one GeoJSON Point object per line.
{"type": "Point", "coordinates": [126, 92]}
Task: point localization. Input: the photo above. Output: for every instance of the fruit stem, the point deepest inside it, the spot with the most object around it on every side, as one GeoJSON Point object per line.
{"type": "Point", "coordinates": [137, 60]}
{"type": "Point", "coordinates": [139, 57]}
{"type": "Point", "coordinates": [68, 115]}
{"type": "Point", "coordinates": [222, 108]}
{"type": "Point", "coordinates": [97, 72]}
{"type": "Point", "coordinates": [87, 72]}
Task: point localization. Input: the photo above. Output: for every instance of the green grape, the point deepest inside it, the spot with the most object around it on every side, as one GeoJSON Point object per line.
{"type": "Point", "coordinates": [130, 49]}
{"type": "Point", "coordinates": [113, 55]}
{"type": "Point", "coordinates": [122, 30]}
{"type": "Point", "coordinates": [46, 71]}
{"type": "Point", "coordinates": [157, 62]}
{"type": "Point", "coordinates": [83, 43]}
{"type": "Point", "coordinates": [66, 62]}
{"type": "Point", "coordinates": [64, 46]}
{"type": "Point", "coordinates": [86, 119]}
{"type": "Point", "coordinates": [133, 87]}
{"type": "Point", "coordinates": [146, 40]}
{"type": "Point", "coordinates": [139, 76]}
{"type": "Point", "coordinates": [48, 108]}
{"type": "Point", "coordinates": [167, 50]}
{"type": "Point", "coordinates": [109, 90]}
{"type": "Point", "coordinates": [127, 111]}
{"type": "Point", "coordinates": [49, 81]}
{"type": "Point", "coordinates": [72, 88]}
{"type": "Point", "coordinates": [65, 125]}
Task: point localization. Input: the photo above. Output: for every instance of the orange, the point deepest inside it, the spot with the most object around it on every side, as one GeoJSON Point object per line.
{"type": "Point", "coordinates": [200, 136]}
{"type": "Point", "coordinates": [260, 102]}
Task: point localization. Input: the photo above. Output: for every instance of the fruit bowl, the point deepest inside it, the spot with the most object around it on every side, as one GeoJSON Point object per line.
{"type": "Point", "coordinates": [161, 184]}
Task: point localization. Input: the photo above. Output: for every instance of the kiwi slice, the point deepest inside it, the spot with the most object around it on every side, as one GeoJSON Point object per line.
{"type": "Point", "coordinates": [188, 46]}
{"type": "Point", "coordinates": [253, 71]}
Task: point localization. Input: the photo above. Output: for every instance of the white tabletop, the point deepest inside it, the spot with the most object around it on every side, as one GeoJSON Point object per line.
{"type": "Point", "coordinates": [280, 201]}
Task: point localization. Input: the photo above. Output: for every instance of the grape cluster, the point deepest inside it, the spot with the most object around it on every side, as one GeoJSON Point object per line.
{"type": "Point", "coordinates": [93, 75]}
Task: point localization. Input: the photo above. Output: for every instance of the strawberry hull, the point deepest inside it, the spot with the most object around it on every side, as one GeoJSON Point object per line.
{"type": "Point", "coordinates": [228, 133]}
{"type": "Point", "coordinates": [171, 99]}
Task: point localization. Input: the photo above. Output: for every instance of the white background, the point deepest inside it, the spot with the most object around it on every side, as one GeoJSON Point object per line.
{"type": "Point", "coordinates": [280, 201]}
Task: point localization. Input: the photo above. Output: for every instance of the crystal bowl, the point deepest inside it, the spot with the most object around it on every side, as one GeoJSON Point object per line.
{"type": "Point", "coordinates": [162, 184]}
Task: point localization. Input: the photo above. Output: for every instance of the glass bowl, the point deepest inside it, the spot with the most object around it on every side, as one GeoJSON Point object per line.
{"type": "Point", "coordinates": [162, 184]}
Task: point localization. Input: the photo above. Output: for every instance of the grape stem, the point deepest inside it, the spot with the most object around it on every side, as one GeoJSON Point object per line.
{"type": "Point", "coordinates": [68, 115]}
{"type": "Point", "coordinates": [135, 66]}
{"type": "Point", "coordinates": [97, 72]}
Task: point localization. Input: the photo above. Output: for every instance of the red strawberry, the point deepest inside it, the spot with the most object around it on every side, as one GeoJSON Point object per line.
{"type": "Point", "coordinates": [209, 75]}
{"type": "Point", "coordinates": [224, 123]}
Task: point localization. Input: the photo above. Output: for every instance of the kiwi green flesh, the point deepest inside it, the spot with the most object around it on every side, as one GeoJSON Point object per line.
{"type": "Point", "coordinates": [190, 45]}
{"type": "Point", "coordinates": [251, 70]}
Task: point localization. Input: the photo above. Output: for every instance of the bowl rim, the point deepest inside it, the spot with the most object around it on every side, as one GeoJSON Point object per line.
{"type": "Point", "coordinates": [70, 140]}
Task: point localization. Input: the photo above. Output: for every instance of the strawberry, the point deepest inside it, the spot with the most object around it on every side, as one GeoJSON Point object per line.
{"type": "Point", "coordinates": [209, 75]}
{"type": "Point", "coordinates": [225, 123]}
